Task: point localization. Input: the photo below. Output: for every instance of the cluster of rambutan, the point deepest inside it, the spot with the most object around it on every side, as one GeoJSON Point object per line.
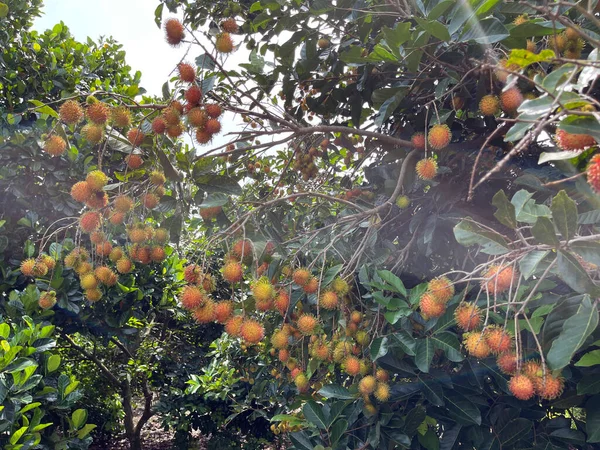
{"type": "Point", "coordinates": [569, 43]}
{"type": "Point", "coordinates": [533, 379]}
{"type": "Point", "coordinates": [304, 160]}
{"type": "Point", "coordinates": [433, 301]}
{"type": "Point", "coordinates": [37, 268]}
{"type": "Point", "coordinates": [499, 279]}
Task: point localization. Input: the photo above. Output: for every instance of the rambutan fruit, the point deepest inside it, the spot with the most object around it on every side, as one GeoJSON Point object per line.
{"type": "Point", "coordinates": [27, 267]}
{"type": "Point", "coordinates": [197, 117]}
{"type": "Point", "coordinates": [233, 272]}
{"type": "Point", "coordinates": [97, 237]}
{"type": "Point", "coordinates": [507, 363]}
{"type": "Point", "coordinates": [476, 344]}
{"type": "Point", "coordinates": [83, 267]}
{"type": "Point", "coordinates": [159, 125]}
{"type": "Point", "coordinates": [143, 255]}
{"type": "Point", "coordinates": [283, 355]}
{"type": "Point", "coordinates": [124, 265]}
{"type": "Point", "coordinates": [105, 275]}
{"type": "Point", "coordinates": [210, 212]}
{"type": "Point", "coordinates": [252, 331]}
{"type": "Point", "coordinates": [531, 46]}
{"type": "Point", "coordinates": [467, 316]}
{"type": "Point", "coordinates": [96, 180]}
{"type": "Point", "coordinates": [40, 269]}
{"type": "Point", "coordinates": [312, 286]}
{"type": "Point", "coordinates": [205, 313]}
{"type": "Point", "coordinates": [70, 112]}
{"type": "Point", "coordinates": [223, 311]}
{"type": "Point", "coordinates": [489, 105]}
{"type": "Point", "coordinates": [47, 299]}
{"type": "Point", "coordinates": [593, 173]}
{"type": "Point", "coordinates": [150, 200]}
{"type": "Point", "coordinates": [340, 286]}
{"type": "Point", "coordinates": [351, 365]}
{"type": "Point", "coordinates": [98, 113]}
{"type": "Point", "coordinates": [570, 141]}
{"type": "Point", "coordinates": [137, 235]}
{"type": "Point", "coordinates": [174, 31]}
{"type": "Point", "coordinates": [418, 140]}
{"type": "Point", "coordinates": [301, 382]}
{"type": "Point", "coordinates": [93, 295]}
{"type": "Point", "coordinates": [103, 248]}
{"type": "Point", "coordinates": [123, 203]}
{"type": "Point", "coordinates": [233, 325]}
{"type": "Point", "coordinates": [88, 281]}
{"type": "Point", "coordinates": [171, 115]}
{"type": "Point", "coordinates": [81, 191]}
{"type": "Point", "coordinates": [307, 324]}
{"type": "Point", "coordinates": [55, 145]}
{"type": "Point", "coordinates": [439, 136]}
{"type": "Point", "coordinates": [116, 254]}
{"type": "Point", "coordinates": [427, 168]}
{"type": "Point", "coordinates": [499, 279]}
{"type": "Point", "coordinates": [229, 25]}
{"type": "Point", "coordinates": [48, 261]}
{"type": "Point", "coordinates": [93, 133]}
{"type": "Point", "coordinates": [135, 136]}
{"type": "Point", "coordinates": [323, 43]}
{"type": "Point", "coordinates": [192, 297]}
{"type": "Point", "coordinates": [175, 130]}
{"type": "Point", "coordinates": [532, 369]}
{"type": "Point", "coordinates": [263, 290]}
{"type": "Point", "coordinates": [382, 392]}
{"type": "Point", "coordinates": [280, 339]}
{"type": "Point", "coordinates": [356, 317]}
{"type": "Point", "coordinates": [430, 307]}
{"type": "Point", "coordinates": [213, 110]}
{"type": "Point", "coordinates": [90, 221]}
{"type": "Point", "coordinates": [321, 350]}
{"type": "Point", "coordinates": [341, 350]}
{"type": "Point", "coordinates": [498, 340]}
{"type": "Point", "coordinates": [382, 375]}
{"type": "Point", "coordinates": [511, 99]}
{"type": "Point", "coordinates": [213, 126]}
{"type": "Point", "coordinates": [301, 276]}
{"type": "Point", "coordinates": [192, 274]}
{"type": "Point", "coordinates": [187, 72]}
{"type": "Point", "coordinates": [521, 387]}
{"type": "Point", "coordinates": [193, 95]}
{"type": "Point", "coordinates": [243, 250]}
{"type": "Point", "coordinates": [329, 300]}
{"type": "Point", "coordinates": [97, 200]}
{"type": "Point", "coordinates": [134, 161]}
{"type": "Point", "coordinates": [550, 387]}
{"type": "Point", "coordinates": [442, 289]}
{"type": "Point", "coordinates": [282, 302]}
{"type": "Point", "coordinates": [157, 254]}
{"type": "Point", "coordinates": [202, 136]}
{"type": "Point", "coordinates": [224, 43]}
{"type": "Point", "coordinates": [121, 117]}
{"type": "Point", "coordinates": [367, 385]}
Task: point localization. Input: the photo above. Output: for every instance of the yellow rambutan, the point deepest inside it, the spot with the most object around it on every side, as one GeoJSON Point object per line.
{"type": "Point", "coordinates": [224, 43]}
{"type": "Point", "coordinates": [476, 344]}
{"type": "Point", "coordinates": [439, 136]}
{"type": "Point", "coordinates": [81, 191]}
{"type": "Point", "coordinates": [467, 316]}
{"type": "Point", "coordinates": [96, 180]}
{"type": "Point", "coordinates": [121, 117]}
{"type": "Point", "coordinates": [427, 168]}
{"type": "Point", "coordinates": [93, 133]}
{"type": "Point", "coordinates": [233, 272]}
{"type": "Point", "coordinates": [312, 286]}
{"type": "Point", "coordinates": [105, 275]}
{"type": "Point", "coordinates": [252, 331]}
{"type": "Point", "coordinates": [430, 307]}
{"type": "Point", "coordinates": [124, 265]}
{"type": "Point", "coordinates": [307, 324]}
{"type": "Point", "coordinates": [441, 288]}
{"type": "Point", "coordinates": [280, 339]}
{"type": "Point", "coordinates": [88, 281]}
{"type": "Point", "coordinates": [55, 145]}
{"type": "Point", "coordinates": [489, 105]}
{"type": "Point", "coordinates": [205, 313]}
{"type": "Point", "coordinates": [340, 286]}
{"type": "Point", "coordinates": [367, 385]}
{"type": "Point", "coordinates": [329, 300]}
{"type": "Point", "coordinates": [27, 267]}
{"type": "Point", "coordinates": [93, 295]}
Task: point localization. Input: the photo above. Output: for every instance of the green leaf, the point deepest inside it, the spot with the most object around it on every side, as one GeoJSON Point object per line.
{"type": "Point", "coordinates": [379, 348]}
{"type": "Point", "coordinates": [3, 10]}
{"type": "Point", "coordinates": [571, 272]}
{"type": "Point", "coordinates": [397, 36]}
{"type": "Point", "coordinates": [463, 410]}
{"type": "Point", "coordinates": [405, 341]}
{"type": "Point", "coordinates": [4, 330]}
{"type": "Point", "coordinates": [589, 217]}
{"type": "Point", "coordinates": [448, 342]}
{"type": "Point", "coordinates": [564, 213]}
{"type": "Point", "coordinates": [544, 232]}
{"type": "Point", "coordinates": [529, 263]}
{"type": "Point", "coordinates": [589, 359]}
{"type": "Point", "coordinates": [313, 412]}
{"type": "Point", "coordinates": [575, 331]}
{"type": "Point", "coordinates": [393, 280]}
{"type": "Point", "coordinates": [468, 233]}
{"type": "Point", "coordinates": [79, 418]}
{"type": "Point", "coordinates": [435, 28]}
{"type": "Point", "coordinates": [588, 250]}
{"type": "Point", "coordinates": [336, 391]}
{"type": "Point", "coordinates": [389, 106]}
{"type": "Point", "coordinates": [205, 62]}
{"type": "Point", "coordinates": [523, 58]}
{"type": "Point", "coordinates": [337, 430]}
{"type": "Point", "coordinates": [513, 431]}
{"type": "Point", "coordinates": [17, 435]}
{"type": "Point", "coordinates": [42, 108]}
{"type": "Point", "coordinates": [87, 429]}
{"type": "Point", "coordinates": [558, 156]}
{"type": "Point", "coordinates": [53, 363]}
{"type": "Point", "coordinates": [592, 422]}
{"type": "Point", "coordinates": [301, 441]}
{"type": "Point", "coordinates": [505, 210]}
{"type": "Point", "coordinates": [581, 125]}
{"type": "Point", "coordinates": [487, 31]}
{"type": "Point", "coordinates": [424, 354]}
{"type": "Point", "coordinates": [589, 385]}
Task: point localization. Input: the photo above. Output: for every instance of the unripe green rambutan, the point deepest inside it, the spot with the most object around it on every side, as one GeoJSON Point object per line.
{"type": "Point", "coordinates": [382, 392]}
{"type": "Point", "coordinates": [402, 202]}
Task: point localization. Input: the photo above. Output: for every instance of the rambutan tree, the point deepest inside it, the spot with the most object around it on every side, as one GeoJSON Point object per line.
{"type": "Point", "coordinates": [384, 209]}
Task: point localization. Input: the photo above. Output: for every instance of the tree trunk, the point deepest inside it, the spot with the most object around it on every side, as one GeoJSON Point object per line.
{"type": "Point", "coordinates": [133, 431]}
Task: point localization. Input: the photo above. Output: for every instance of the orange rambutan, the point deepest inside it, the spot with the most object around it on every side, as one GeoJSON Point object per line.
{"type": "Point", "coordinates": [243, 250]}
{"type": "Point", "coordinates": [210, 212]}
{"type": "Point", "coordinates": [229, 25]}
{"type": "Point", "coordinates": [498, 340]}
{"type": "Point", "coordinates": [98, 113]}
{"type": "Point", "coordinates": [213, 110]}
{"type": "Point", "coordinates": [223, 311]}
{"type": "Point", "coordinates": [192, 297]}
{"type": "Point", "coordinates": [193, 95]}
{"type": "Point", "coordinates": [174, 31]}
{"type": "Point", "coordinates": [356, 317]}
{"type": "Point", "coordinates": [193, 274]}
{"type": "Point", "coordinates": [442, 289]}
{"type": "Point", "coordinates": [202, 136]}
{"type": "Point", "coordinates": [124, 265]}
{"type": "Point", "coordinates": [97, 237]}
{"type": "Point", "coordinates": [233, 325]}
{"type": "Point", "coordinates": [116, 254]}
{"type": "Point", "coordinates": [197, 117]}
{"type": "Point", "coordinates": [93, 295]}
{"type": "Point", "coordinates": [283, 355]}
{"type": "Point", "coordinates": [312, 286]}
{"type": "Point", "coordinates": [593, 173]}
{"type": "Point", "coordinates": [550, 387]}
{"type": "Point", "coordinates": [97, 200]}
{"type": "Point", "coordinates": [175, 130]}
{"type": "Point", "coordinates": [103, 248]}
{"type": "Point", "coordinates": [135, 136]}
{"type": "Point", "coordinates": [224, 43]}
{"type": "Point", "coordinates": [105, 275]}
{"type": "Point", "coordinates": [282, 302]}
{"type": "Point", "coordinates": [205, 313]}
{"type": "Point", "coordinates": [157, 254]}
{"type": "Point", "coordinates": [499, 279]}
{"type": "Point", "coordinates": [418, 140]}
{"type": "Point", "coordinates": [321, 350]}
{"type": "Point", "coordinates": [252, 331]}
{"type": "Point", "coordinates": [430, 307]}
{"type": "Point", "coordinates": [439, 136]}
{"type": "Point", "coordinates": [280, 339]}
{"type": "Point", "coordinates": [570, 141]}
{"type": "Point", "coordinates": [55, 145]}
{"type": "Point", "coordinates": [511, 99]}
{"type": "Point", "coordinates": [137, 235]}
{"type": "Point", "coordinates": [476, 344]}
{"type": "Point", "coordinates": [307, 324]}
{"type": "Point", "coordinates": [81, 191]}
{"type": "Point", "coordinates": [123, 203]}
{"type": "Point", "coordinates": [171, 115]}
{"type": "Point", "coordinates": [70, 112]}
{"type": "Point", "coordinates": [329, 300]}
{"type": "Point", "coordinates": [159, 125]}
{"type": "Point", "coordinates": [233, 272]}
{"type": "Point", "coordinates": [90, 221]}
{"type": "Point", "coordinates": [47, 299]}
{"type": "Point", "coordinates": [150, 200]}
{"type": "Point", "coordinates": [489, 105]}
{"type": "Point", "coordinates": [134, 161]}
{"type": "Point", "coordinates": [351, 365]}
{"type": "Point", "coordinates": [93, 133]}
{"type": "Point", "coordinates": [467, 316]}
{"type": "Point", "coordinates": [507, 363]}
{"type": "Point", "coordinates": [382, 375]}
{"type": "Point", "coordinates": [213, 126]}
{"type": "Point", "coordinates": [301, 276]}
{"type": "Point", "coordinates": [521, 387]}
{"type": "Point", "coordinates": [427, 168]}
{"type": "Point", "coordinates": [187, 72]}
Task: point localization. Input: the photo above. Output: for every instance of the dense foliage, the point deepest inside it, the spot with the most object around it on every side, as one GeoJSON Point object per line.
{"type": "Point", "coordinates": [392, 244]}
